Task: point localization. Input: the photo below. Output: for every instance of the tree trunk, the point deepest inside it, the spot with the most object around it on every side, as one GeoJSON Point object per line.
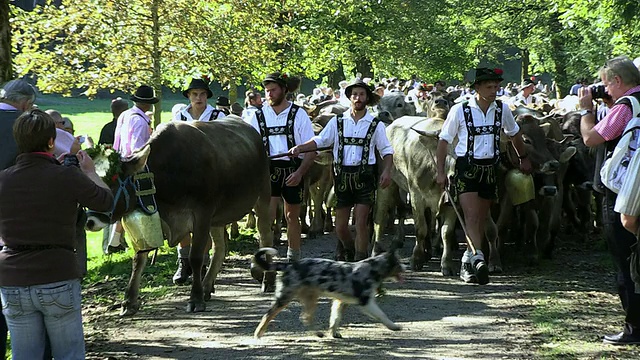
{"type": "Point", "coordinates": [233, 91]}
{"type": "Point", "coordinates": [524, 54]}
{"type": "Point", "coordinates": [334, 77]}
{"type": "Point", "coordinates": [364, 67]}
{"type": "Point", "coordinates": [559, 56]}
{"type": "Point", "coordinates": [157, 70]}
{"type": "Point", "coordinates": [6, 67]}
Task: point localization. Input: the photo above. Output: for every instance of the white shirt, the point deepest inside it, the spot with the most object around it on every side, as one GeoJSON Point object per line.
{"type": "Point", "coordinates": [248, 112]}
{"type": "Point", "coordinates": [203, 117]}
{"type": "Point", "coordinates": [521, 100]}
{"type": "Point", "coordinates": [353, 153]}
{"type": "Point", "coordinates": [63, 142]}
{"type": "Point", "coordinates": [302, 128]}
{"type": "Point", "coordinates": [483, 145]}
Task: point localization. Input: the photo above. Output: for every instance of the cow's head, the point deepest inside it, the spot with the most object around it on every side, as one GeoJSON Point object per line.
{"type": "Point", "coordinates": [396, 105]}
{"type": "Point", "coordinates": [534, 137]}
{"type": "Point", "coordinates": [118, 174]}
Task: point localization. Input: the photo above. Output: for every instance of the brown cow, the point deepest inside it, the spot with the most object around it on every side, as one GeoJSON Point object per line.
{"type": "Point", "coordinates": [207, 174]}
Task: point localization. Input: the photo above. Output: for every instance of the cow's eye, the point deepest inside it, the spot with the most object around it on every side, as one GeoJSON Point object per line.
{"type": "Point", "coordinates": [526, 140]}
{"type": "Point", "coordinates": [400, 105]}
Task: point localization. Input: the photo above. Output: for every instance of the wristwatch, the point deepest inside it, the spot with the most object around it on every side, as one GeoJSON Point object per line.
{"type": "Point", "coordinates": [585, 112]}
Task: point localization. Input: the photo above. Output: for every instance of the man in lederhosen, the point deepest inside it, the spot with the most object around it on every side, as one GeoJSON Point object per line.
{"type": "Point", "coordinates": [282, 125]}
{"type": "Point", "coordinates": [477, 124]}
{"type": "Point", "coordinates": [198, 110]}
{"type": "Point", "coordinates": [355, 135]}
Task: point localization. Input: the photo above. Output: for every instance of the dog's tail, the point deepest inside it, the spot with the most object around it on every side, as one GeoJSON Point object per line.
{"type": "Point", "coordinates": [261, 260]}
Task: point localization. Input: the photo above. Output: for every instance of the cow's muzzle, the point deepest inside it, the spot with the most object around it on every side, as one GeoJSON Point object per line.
{"type": "Point", "coordinates": [97, 221]}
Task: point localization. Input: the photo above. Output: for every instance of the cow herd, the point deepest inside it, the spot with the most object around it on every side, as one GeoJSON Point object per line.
{"type": "Point", "coordinates": [211, 174]}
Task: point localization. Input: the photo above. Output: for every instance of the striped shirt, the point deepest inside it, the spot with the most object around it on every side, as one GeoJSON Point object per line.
{"type": "Point", "coordinates": [616, 120]}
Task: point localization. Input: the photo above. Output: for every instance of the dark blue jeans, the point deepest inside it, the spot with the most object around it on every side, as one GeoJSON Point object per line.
{"type": "Point", "coordinates": [620, 242]}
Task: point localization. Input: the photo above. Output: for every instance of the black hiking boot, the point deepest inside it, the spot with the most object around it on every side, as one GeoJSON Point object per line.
{"type": "Point", "coordinates": [482, 272]}
{"type": "Point", "coordinates": [467, 274]}
{"type": "Point", "coordinates": [183, 272]}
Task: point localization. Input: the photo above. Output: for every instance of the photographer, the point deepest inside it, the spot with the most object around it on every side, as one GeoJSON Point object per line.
{"type": "Point", "coordinates": [39, 277]}
{"type": "Point", "coordinates": [620, 78]}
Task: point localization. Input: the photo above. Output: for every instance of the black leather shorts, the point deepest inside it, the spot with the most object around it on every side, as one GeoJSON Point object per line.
{"type": "Point", "coordinates": [280, 170]}
{"type": "Point", "coordinates": [356, 186]}
{"type": "Point", "coordinates": [477, 176]}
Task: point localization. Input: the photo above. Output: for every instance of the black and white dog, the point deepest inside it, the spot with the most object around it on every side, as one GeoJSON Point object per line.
{"type": "Point", "coordinates": [345, 282]}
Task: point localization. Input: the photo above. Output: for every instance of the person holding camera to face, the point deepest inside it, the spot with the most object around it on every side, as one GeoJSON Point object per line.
{"type": "Point", "coordinates": [620, 78]}
{"type": "Point", "coordinates": [39, 276]}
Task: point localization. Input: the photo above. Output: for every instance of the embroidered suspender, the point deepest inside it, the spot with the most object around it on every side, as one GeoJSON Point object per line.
{"type": "Point", "coordinates": [474, 131]}
{"type": "Point", "coordinates": [214, 115]}
{"type": "Point", "coordinates": [343, 141]}
{"type": "Point", "coordinates": [286, 130]}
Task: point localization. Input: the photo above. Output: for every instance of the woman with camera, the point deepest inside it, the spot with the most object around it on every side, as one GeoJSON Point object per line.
{"type": "Point", "coordinates": [39, 277]}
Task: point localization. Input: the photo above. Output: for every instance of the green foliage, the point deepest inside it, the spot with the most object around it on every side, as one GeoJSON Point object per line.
{"type": "Point", "coordinates": [118, 44]}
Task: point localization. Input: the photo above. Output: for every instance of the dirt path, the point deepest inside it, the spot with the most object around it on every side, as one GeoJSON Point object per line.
{"type": "Point", "coordinates": [442, 318]}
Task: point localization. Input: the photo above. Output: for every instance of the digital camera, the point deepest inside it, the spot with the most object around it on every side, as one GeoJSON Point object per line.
{"type": "Point", "coordinates": [598, 92]}
{"type": "Point", "coordinates": [70, 160]}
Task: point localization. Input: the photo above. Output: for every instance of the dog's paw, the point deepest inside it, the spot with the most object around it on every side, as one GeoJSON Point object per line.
{"type": "Point", "coordinates": [395, 327]}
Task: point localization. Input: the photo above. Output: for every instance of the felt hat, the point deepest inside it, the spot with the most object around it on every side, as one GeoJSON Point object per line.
{"type": "Point", "coordinates": [145, 94]}
{"type": "Point", "coordinates": [484, 74]}
{"type": "Point", "coordinates": [198, 84]}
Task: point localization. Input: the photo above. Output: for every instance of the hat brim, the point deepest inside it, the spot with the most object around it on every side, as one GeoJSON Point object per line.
{"type": "Point", "coordinates": [152, 100]}
{"type": "Point", "coordinates": [372, 98]}
{"type": "Point", "coordinates": [209, 92]}
{"type": "Point", "coordinates": [487, 78]}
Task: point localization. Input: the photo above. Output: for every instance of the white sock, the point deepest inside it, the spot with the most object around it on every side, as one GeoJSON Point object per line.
{"type": "Point", "coordinates": [293, 255]}
{"type": "Point", "coordinates": [476, 257]}
{"type": "Point", "coordinates": [466, 257]}
{"type": "Point", "coordinates": [114, 240]}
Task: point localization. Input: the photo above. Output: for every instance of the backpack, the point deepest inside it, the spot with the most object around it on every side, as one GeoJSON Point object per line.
{"type": "Point", "coordinates": [615, 168]}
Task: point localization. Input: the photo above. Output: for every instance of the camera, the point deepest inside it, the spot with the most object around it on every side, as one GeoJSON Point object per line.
{"type": "Point", "coordinates": [599, 92]}
{"type": "Point", "coordinates": [70, 160]}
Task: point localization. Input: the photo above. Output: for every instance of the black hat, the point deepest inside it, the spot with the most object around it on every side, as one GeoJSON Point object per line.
{"type": "Point", "coordinates": [145, 94]}
{"type": "Point", "coordinates": [526, 83]}
{"type": "Point", "coordinates": [198, 84]}
{"type": "Point", "coordinates": [484, 74]}
{"type": "Point", "coordinates": [372, 98]}
{"type": "Point", "coordinates": [276, 77]}
{"type": "Point", "coordinates": [222, 101]}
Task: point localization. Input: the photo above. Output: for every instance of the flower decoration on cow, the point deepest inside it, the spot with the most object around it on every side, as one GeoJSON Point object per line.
{"type": "Point", "coordinates": [107, 162]}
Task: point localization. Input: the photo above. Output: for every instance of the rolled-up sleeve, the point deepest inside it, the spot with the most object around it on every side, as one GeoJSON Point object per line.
{"type": "Point", "coordinates": [451, 125]}
{"type": "Point", "coordinates": [509, 124]}
{"type": "Point", "coordinates": [382, 141]}
{"type": "Point", "coordinates": [139, 133]}
{"type": "Point", "coordinates": [328, 135]}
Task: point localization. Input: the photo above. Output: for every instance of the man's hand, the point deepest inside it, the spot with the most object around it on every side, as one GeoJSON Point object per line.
{"type": "Point", "coordinates": [385, 179]}
{"type": "Point", "coordinates": [525, 165]}
{"type": "Point", "coordinates": [86, 163]}
{"type": "Point", "coordinates": [442, 180]}
{"type": "Point", "coordinates": [585, 98]}
{"type": "Point", "coordinates": [294, 151]}
{"type": "Point", "coordinates": [293, 179]}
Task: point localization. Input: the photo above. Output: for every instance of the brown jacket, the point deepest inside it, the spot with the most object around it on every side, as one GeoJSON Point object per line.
{"type": "Point", "coordinates": [38, 207]}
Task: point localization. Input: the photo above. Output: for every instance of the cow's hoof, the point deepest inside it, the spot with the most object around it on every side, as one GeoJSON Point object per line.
{"type": "Point", "coordinates": [495, 269]}
{"type": "Point", "coordinates": [336, 335]}
{"type": "Point", "coordinates": [208, 293]}
{"type": "Point", "coordinates": [304, 228]}
{"type": "Point", "coordinates": [129, 309]}
{"type": "Point", "coordinates": [448, 271]}
{"type": "Point", "coordinates": [193, 306]}
{"type": "Point", "coordinates": [418, 259]}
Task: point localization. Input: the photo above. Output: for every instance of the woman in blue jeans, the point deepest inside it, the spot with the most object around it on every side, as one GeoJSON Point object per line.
{"type": "Point", "coordinates": [39, 277]}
